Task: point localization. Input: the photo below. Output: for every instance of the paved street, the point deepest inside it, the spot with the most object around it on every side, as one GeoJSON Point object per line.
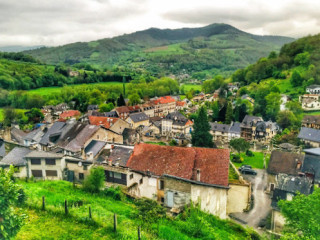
{"type": "Point", "coordinates": [262, 201]}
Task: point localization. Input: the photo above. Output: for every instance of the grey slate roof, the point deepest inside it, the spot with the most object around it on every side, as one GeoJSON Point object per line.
{"type": "Point", "coordinates": [235, 128]}
{"type": "Point", "coordinates": [248, 121]}
{"type": "Point", "coordinates": [311, 165]}
{"type": "Point", "coordinates": [55, 129]}
{"type": "Point", "coordinates": [95, 147]}
{"type": "Point", "coordinates": [43, 154]}
{"type": "Point", "coordinates": [92, 107]}
{"type": "Point", "coordinates": [313, 151]}
{"type": "Point", "coordinates": [311, 119]}
{"type": "Point", "coordinates": [177, 118]}
{"type": "Point", "coordinates": [219, 127]}
{"type": "Point", "coordinates": [309, 134]}
{"type": "Point", "coordinates": [138, 117]}
{"type": "Point", "coordinates": [313, 86]}
{"type": "Point", "coordinates": [2, 149]}
{"type": "Point", "coordinates": [16, 157]}
{"type": "Point", "coordinates": [17, 135]}
{"type": "Point", "coordinates": [34, 135]}
{"type": "Point", "coordinates": [80, 139]}
{"type": "Point", "coordinates": [120, 155]}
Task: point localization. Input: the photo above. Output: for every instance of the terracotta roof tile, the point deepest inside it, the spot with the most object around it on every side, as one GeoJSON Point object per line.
{"type": "Point", "coordinates": [69, 113]}
{"type": "Point", "coordinates": [106, 122]}
{"type": "Point", "coordinates": [182, 162]}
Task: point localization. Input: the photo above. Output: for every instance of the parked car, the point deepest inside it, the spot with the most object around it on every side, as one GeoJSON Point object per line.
{"type": "Point", "coordinates": [248, 171]}
{"type": "Point", "coordinates": [244, 166]}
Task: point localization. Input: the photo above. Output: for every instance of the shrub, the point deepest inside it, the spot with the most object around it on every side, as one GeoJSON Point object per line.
{"type": "Point", "coordinates": [115, 193]}
{"type": "Point", "coordinates": [95, 181]}
{"type": "Point", "coordinates": [249, 153]}
{"type": "Point", "coordinates": [236, 158]}
{"type": "Point", "coordinates": [149, 211]}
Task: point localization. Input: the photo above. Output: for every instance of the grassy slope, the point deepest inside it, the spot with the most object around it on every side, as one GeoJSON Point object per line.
{"type": "Point", "coordinates": [53, 224]}
{"type": "Point", "coordinates": [256, 161]}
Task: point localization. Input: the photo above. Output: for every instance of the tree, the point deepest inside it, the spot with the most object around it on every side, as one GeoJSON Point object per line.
{"type": "Point", "coordinates": [35, 115]}
{"type": "Point", "coordinates": [286, 119]}
{"type": "Point", "coordinates": [296, 79]}
{"type": "Point", "coordinates": [215, 110]}
{"type": "Point", "coordinates": [95, 180]}
{"type": "Point", "coordinates": [10, 195]}
{"type": "Point", "coordinates": [240, 145]}
{"type": "Point", "coordinates": [10, 115]}
{"type": "Point", "coordinates": [273, 105]}
{"type": "Point", "coordinates": [121, 101]}
{"type": "Point", "coordinates": [106, 107]}
{"type": "Point", "coordinates": [201, 136]}
{"type": "Point", "coordinates": [229, 113]}
{"type": "Point", "coordinates": [302, 216]}
{"type": "Point", "coordinates": [134, 99]}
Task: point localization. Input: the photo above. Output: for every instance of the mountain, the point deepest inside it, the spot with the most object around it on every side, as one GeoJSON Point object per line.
{"type": "Point", "coordinates": [18, 48]}
{"type": "Point", "coordinates": [202, 52]}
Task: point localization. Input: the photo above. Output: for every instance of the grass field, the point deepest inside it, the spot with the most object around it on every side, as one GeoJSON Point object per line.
{"type": "Point", "coordinates": [312, 113]}
{"type": "Point", "coordinates": [18, 110]}
{"type": "Point", "coordinates": [188, 87]}
{"type": "Point", "coordinates": [256, 161]}
{"type": "Point", "coordinates": [54, 224]}
{"type": "Point", "coordinates": [54, 90]}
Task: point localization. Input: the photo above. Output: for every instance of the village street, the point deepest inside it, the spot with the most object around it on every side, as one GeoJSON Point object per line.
{"type": "Point", "coordinates": [262, 201]}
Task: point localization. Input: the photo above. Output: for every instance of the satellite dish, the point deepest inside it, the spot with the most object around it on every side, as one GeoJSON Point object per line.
{"type": "Point", "coordinates": [80, 164]}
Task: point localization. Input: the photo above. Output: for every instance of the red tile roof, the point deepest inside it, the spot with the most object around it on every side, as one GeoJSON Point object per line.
{"type": "Point", "coordinates": [164, 100]}
{"type": "Point", "coordinates": [69, 113]}
{"type": "Point", "coordinates": [181, 103]}
{"type": "Point", "coordinates": [182, 162]}
{"type": "Point", "coordinates": [107, 122]}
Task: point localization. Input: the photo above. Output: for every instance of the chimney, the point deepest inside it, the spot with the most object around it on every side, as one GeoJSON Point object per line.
{"type": "Point", "coordinates": [109, 162]}
{"type": "Point", "coordinates": [198, 175]}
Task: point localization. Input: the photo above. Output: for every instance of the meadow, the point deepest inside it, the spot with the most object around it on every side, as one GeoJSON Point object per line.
{"type": "Point", "coordinates": [52, 223]}
{"type": "Point", "coordinates": [256, 161]}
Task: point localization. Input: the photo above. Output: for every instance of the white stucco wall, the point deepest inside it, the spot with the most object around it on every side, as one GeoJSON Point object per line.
{"type": "Point", "coordinates": [238, 198]}
{"type": "Point", "coordinates": [148, 187]}
{"type": "Point", "coordinates": [212, 200]}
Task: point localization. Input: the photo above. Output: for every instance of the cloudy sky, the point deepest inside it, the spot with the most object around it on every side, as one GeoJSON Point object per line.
{"type": "Point", "coordinates": [57, 22]}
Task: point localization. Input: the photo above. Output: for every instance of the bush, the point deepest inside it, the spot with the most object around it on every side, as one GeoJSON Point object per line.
{"type": "Point", "coordinates": [149, 211]}
{"type": "Point", "coordinates": [249, 153]}
{"type": "Point", "coordinates": [95, 181]}
{"type": "Point", "coordinates": [115, 193]}
{"type": "Point", "coordinates": [236, 158]}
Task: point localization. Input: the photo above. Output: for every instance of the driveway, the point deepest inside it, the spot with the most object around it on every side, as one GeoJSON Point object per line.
{"type": "Point", "coordinates": [262, 201]}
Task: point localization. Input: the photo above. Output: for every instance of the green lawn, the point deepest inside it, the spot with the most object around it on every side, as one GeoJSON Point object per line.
{"type": "Point", "coordinates": [18, 110]}
{"type": "Point", "coordinates": [188, 87]}
{"type": "Point", "coordinates": [54, 90]}
{"type": "Point", "coordinates": [54, 224]}
{"type": "Point", "coordinates": [256, 161]}
{"type": "Point", "coordinates": [312, 113]}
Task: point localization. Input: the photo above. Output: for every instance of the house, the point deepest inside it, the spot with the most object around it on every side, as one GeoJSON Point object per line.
{"type": "Point", "coordinates": [60, 108]}
{"type": "Point", "coordinates": [180, 105]}
{"type": "Point", "coordinates": [124, 111]}
{"type": "Point", "coordinates": [92, 108]}
{"type": "Point", "coordinates": [285, 189]}
{"type": "Point", "coordinates": [45, 165]}
{"type": "Point", "coordinates": [220, 132]}
{"type": "Point", "coordinates": [69, 114]}
{"type": "Point", "coordinates": [16, 158]}
{"type": "Point", "coordinates": [17, 135]}
{"type": "Point", "coordinates": [264, 131]}
{"type": "Point", "coordinates": [246, 127]}
{"type": "Point", "coordinates": [311, 121]}
{"type": "Point", "coordinates": [76, 168]}
{"type": "Point", "coordinates": [106, 122]}
{"type": "Point", "coordinates": [310, 136]}
{"type": "Point", "coordinates": [313, 89]}
{"type": "Point", "coordinates": [247, 97]}
{"type": "Point", "coordinates": [176, 123]}
{"type": "Point", "coordinates": [310, 102]}
{"type": "Point", "coordinates": [311, 164]}
{"type": "Point", "coordinates": [148, 109]}
{"type": "Point", "coordinates": [164, 105]}
{"type": "Point", "coordinates": [138, 119]}
{"type": "Point", "coordinates": [175, 176]}
{"type": "Point", "coordinates": [234, 131]}
{"type": "Point", "coordinates": [233, 87]}
{"type": "Point", "coordinates": [284, 100]}
{"type": "Point", "coordinates": [93, 149]}
{"type": "Point", "coordinates": [33, 138]}
{"type": "Point", "coordinates": [130, 136]}
{"type": "Point", "coordinates": [284, 162]}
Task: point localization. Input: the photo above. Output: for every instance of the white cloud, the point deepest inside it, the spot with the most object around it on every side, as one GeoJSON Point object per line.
{"type": "Point", "coordinates": [56, 22]}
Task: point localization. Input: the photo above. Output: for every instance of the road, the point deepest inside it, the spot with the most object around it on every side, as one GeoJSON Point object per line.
{"type": "Point", "coordinates": [262, 201]}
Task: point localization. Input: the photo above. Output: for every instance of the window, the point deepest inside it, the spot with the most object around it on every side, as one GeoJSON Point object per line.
{"type": "Point", "coordinates": [85, 167]}
{"type": "Point", "coordinates": [35, 162]}
{"type": "Point", "coordinates": [117, 175]}
{"type": "Point", "coordinates": [141, 181]}
{"type": "Point", "coordinates": [162, 200]}
{"type": "Point", "coordinates": [131, 176]}
{"type": "Point", "coordinates": [81, 176]}
{"type": "Point", "coordinates": [51, 173]}
{"type": "Point", "coordinates": [50, 162]}
{"type": "Point", "coordinates": [36, 173]}
{"type": "Point", "coordinates": [161, 185]}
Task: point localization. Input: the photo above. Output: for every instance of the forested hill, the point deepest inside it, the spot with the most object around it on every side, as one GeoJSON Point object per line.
{"type": "Point", "coordinates": [201, 52]}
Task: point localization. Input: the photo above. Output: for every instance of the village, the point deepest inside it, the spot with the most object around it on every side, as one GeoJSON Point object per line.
{"type": "Point", "coordinates": [146, 149]}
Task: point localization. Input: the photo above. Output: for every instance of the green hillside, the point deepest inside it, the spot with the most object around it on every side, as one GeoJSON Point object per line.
{"type": "Point", "coordinates": [193, 224]}
{"type": "Point", "coordinates": [202, 52]}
